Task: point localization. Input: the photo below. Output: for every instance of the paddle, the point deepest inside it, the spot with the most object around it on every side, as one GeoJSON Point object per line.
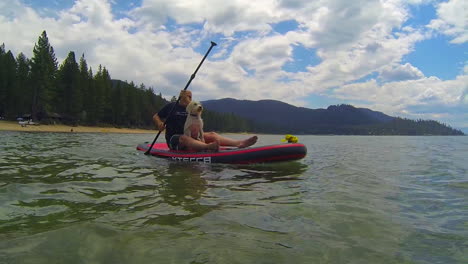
{"type": "Point", "coordinates": [178, 99]}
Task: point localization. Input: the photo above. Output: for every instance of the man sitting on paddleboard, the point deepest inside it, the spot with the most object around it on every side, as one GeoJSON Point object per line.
{"type": "Point", "coordinates": [175, 137]}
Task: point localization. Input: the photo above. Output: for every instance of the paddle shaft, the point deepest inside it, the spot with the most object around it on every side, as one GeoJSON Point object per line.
{"type": "Point", "coordinates": [178, 99]}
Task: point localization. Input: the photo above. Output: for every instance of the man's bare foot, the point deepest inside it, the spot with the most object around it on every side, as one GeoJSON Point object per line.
{"type": "Point", "coordinates": [248, 142]}
{"type": "Point", "coordinates": [213, 146]}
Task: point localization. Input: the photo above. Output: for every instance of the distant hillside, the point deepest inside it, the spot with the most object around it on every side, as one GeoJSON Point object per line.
{"type": "Point", "coordinates": [278, 117]}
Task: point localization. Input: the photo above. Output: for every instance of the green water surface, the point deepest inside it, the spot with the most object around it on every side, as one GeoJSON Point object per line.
{"type": "Point", "coordinates": [92, 198]}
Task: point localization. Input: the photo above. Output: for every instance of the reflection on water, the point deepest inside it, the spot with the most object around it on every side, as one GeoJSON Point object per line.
{"type": "Point", "coordinates": [92, 198]}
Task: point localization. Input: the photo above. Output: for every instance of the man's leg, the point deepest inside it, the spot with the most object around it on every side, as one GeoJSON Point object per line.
{"type": "Point", "coordinates": [225, 141]}
{"type": "Point", "coordinates": [193, 144]}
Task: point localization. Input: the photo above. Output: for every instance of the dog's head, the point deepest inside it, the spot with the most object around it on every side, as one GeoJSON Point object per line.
{"type": "Point", "coordinates": [194, 108]}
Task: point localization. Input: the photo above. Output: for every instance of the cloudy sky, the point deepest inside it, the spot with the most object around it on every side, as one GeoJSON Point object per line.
{"type": "Point", "coordinates": [404, 58]}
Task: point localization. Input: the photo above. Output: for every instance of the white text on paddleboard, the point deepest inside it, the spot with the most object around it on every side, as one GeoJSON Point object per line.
{"type": "Point", "coordinates": [202, 159]}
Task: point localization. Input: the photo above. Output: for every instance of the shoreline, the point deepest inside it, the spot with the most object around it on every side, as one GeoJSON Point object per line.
{"type": "Point", "coordinates": [14, 126]}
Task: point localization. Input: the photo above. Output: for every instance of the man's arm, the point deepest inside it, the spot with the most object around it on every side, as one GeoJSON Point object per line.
{"type": "Point", "coordinates": [158, 122]}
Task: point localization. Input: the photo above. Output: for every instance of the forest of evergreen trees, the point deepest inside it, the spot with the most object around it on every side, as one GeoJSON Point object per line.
{"type": "Point", "coordinates": [70, 93]}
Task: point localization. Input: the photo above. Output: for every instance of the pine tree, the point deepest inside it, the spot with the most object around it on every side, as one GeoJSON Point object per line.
{"type": "Point", "coordinates": [23, 84]}
{"type": "Point", "coordinates": [147, 97]}
{"type": "Point", "coordinates": [103, 91]}
{"type": "Point", "coordinates": [98, 89]}
{"type": "Point", "coordinates": [132, 111]}
{"type": "Point", "coordinates": [107, 96]}
{"type": "Point", "coordinates": [119, 104]}
{"type": "Point", "coordinates": [68, 99]}
{"type": "Point", "coordinates": [43, 71]}
{"type": "Point", "coordinates": [2, 81]}
{"type": "Point", "coordinates": [8, 82]}
{"type": "Point", "coordinates": [85, 84]}
{"type": "Point", "coordinates": [91, 102]}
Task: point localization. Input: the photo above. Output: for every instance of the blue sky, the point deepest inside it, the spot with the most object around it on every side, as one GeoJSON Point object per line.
{"type": "Point", "coordinates": [405, 58]}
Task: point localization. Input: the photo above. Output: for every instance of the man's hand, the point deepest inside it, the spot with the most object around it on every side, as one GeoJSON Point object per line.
{"type": "Point", "coordinates": [161, 126]}
{"type": "Point", "coordinates": [158, 122]}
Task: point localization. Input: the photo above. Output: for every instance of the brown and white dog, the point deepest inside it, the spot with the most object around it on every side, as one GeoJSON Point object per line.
{"type": "Point", "coordinates": [194, 123]}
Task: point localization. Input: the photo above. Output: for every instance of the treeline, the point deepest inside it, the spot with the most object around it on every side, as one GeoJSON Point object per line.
{"type": "Point", "coordinates": [70, 93]}
{"type": "Point", "coordinates": [397, 126]}
{"type": "Point", "coordinates": [404, 126]}
{"type": "Point", "coordinates": [214, 121]}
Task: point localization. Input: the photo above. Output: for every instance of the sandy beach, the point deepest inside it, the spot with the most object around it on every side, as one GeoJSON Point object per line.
{"type": "Point", "coordinates": [14, 126]}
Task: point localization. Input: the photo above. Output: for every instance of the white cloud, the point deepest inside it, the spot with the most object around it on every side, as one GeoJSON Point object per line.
{"type": "Point", "coordinates": [399, 98]}
{"type": "Point", "coordinates": [20, 26]}
{"type": "Point", "coordinates": [264, 55]}
{"type": "Point", "coordinates": [400, 73]}
{"type": "Point", "coordinates": [464, 97]}
{"type": "Point", "coordinates": [371, 53]}
{"type": "Point", "coordinates": [218, 17]}
{"type": "Point", "coordinates": [452, 20]}
{"type": "Point", "coordinates": [419, 2]}
{"type": "Point", "coordinates": [344, 22]}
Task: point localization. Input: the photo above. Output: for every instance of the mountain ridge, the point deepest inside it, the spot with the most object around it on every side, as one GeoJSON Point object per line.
{"type": "Point", "coordinates": [282, 117]}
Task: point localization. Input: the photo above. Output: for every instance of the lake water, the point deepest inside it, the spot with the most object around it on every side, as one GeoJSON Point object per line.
{"type": "Point", "coordinates": [92, 198]}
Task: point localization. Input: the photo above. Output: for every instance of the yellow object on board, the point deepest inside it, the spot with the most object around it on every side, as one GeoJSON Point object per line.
{"type": "Point", "coordinates": [290, 139]}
